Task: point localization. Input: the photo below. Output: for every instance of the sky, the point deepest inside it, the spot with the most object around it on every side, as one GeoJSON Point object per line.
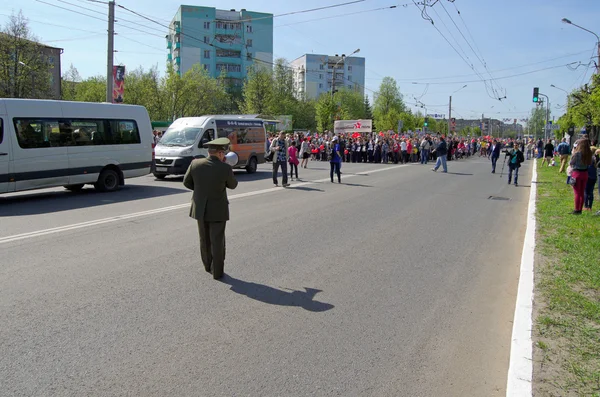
{"type": "Point", "coordinates": [514, 45]}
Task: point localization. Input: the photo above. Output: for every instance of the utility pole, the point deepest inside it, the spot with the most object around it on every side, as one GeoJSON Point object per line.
{"type": "Point", "coordinates": [110, 51]}
{"type": "Point", "coordinates": [547, 115]}
{"type": "Point", "coordinates": [449, 113]}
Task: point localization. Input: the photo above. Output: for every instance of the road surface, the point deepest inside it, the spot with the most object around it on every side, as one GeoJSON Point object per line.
{"type": "Point", "coordinates": [399, 282]}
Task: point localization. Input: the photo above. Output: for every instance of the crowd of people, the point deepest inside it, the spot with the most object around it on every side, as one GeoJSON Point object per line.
{"type": "Point", "coordinates": [297, 150]}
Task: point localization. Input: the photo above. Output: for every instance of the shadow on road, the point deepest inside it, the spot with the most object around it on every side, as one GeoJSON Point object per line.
{"type": "Point", "coordinates": [459, 173]}
{"type": "Point", "coordinates": [305, 188]}
{"type": "Point", "coordinates": [274, 296]}
{"type": "Point", "coordinates": [355, 184]}
{"type": "Point", "coordinates": [37, 203]}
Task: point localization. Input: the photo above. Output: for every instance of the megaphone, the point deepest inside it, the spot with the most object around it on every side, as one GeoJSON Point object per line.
{"type": "Point", "coordinates": [232, 159]}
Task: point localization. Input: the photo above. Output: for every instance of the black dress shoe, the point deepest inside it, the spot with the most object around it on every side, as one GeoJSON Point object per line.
{"type": "Point", "coordinates": [208, 269]}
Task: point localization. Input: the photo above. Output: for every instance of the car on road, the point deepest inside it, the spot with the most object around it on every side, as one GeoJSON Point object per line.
{"type": "Point", "coordinates": [48, 143]}
{"type": "Point", "coordinates": [186, 137]}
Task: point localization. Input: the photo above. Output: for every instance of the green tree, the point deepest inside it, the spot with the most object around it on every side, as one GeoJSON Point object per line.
{"type": "Point", "coordinates": [408, 121]}
{"type": "Point", "coordinates": [70, 79]}
{"type": "Point", "coordinates": [325, 108]}
{"type": "Point", "coordinates": [350, 104]}
{"type": "Point", "coordinates": [537, 121]}
{"type": "Point", "coordinates": [257, 92]}
{"type": "Point", "coordinates": [388, 105]}
{"type": "Point", "coordinates": [204, 94]}
{"type": "Point", "coordinates": [24, 69]}
{"type": "Point", "coordinates": [92, 89]}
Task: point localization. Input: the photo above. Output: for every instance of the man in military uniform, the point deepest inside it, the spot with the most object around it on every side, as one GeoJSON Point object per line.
{"type": "Point", "coordinates": [208, 178]}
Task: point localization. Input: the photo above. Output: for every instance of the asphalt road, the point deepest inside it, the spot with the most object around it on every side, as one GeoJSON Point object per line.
{"type": "Point", "coordinates": [399, 282]}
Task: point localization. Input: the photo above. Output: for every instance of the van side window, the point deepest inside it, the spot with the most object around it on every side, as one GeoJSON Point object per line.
{"type": "Point", "coordinates": [1, 130]}
{"type": "Point", "coordinates": [208, 136]}
{"type": "Point", "coordinates": [124, 132]}
{"type": "Point", "coordinates": [226, 132]}
{"type": "Point", "coordinates": [40, 133]}
{"type": "Point", "coordinates": [242, 136]}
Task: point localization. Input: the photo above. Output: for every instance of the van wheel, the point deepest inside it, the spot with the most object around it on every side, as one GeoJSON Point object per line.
{"type": "Point", "coordinates": [159, 176]}
{"type": "Point", "coordinates": [75, 188]}
{"type": "Point", "coordinates": [108, 181]}
{"type": "Point", "coordinates": [251, 167]}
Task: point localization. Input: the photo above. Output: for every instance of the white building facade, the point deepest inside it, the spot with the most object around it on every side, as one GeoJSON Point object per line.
{"type": "Point", "coordinates": [314, 74]}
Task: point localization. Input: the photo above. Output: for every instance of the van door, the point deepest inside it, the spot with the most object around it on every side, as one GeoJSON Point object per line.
{"type": "Point", "coordinates": [207, 136]}
{"type": "Point", "coordinates": [4, 156]}
{"type": "Point", "coordinates": [40, 153]}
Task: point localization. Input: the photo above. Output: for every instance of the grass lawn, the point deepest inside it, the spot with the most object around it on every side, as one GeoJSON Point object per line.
{"type": "Point", "coordinates": [566, 330]}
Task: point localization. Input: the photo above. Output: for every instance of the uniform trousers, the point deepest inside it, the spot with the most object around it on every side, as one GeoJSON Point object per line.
{"type": "Point", "coordinates": [212, 246]}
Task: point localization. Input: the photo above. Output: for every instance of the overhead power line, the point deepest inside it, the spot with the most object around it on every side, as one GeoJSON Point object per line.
{"type": "Point", "coordinates": [74, 11]}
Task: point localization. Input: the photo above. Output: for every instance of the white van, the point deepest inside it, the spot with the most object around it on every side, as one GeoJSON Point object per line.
{"type": "Point", "coordinates": [184, 140]}
{"type": "Point", "coordinates": [46, 143]}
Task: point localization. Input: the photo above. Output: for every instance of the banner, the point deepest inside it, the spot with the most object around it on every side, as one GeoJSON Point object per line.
{"type": "Point", "coordinates": [346, 126]}
{"type": "Point", "coordinates": [118, 83]}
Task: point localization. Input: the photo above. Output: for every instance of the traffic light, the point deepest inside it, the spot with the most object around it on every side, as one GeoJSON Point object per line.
{"type": "Point", "coordinates": [536, 94]}
{"type": "Point", "coordinates": [426, 121]}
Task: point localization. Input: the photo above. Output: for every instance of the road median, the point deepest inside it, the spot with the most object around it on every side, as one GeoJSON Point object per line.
{"type": "Point", "coordinates": [566, 332]}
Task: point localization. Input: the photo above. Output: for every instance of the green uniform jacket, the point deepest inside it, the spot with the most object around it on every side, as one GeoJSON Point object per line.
{"type": "Point", "coordinates": [209, 178]}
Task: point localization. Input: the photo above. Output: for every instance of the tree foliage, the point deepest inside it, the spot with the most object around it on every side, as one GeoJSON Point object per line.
{"type": "Point", "coordinates": [24, 69]}
{"type": "Point", "coordinates": [583, 109]}
{"type": "Point", "coordinates": [389, 105]}
{"type": "Point", "coordinates": [537, 121]}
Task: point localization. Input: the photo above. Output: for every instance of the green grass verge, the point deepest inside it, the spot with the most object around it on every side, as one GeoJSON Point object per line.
{"type": "Point", "coordinates": [567, 325]}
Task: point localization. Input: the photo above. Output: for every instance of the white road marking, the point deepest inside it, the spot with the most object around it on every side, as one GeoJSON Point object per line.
{"type": "Point", "coordinates": [60, 229]}
{"type": "Point", "coordinates": [520, 371]}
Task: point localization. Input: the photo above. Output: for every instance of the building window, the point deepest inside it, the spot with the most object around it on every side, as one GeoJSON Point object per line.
{"type": "Point", "coordinates": [249, 42]}
{"type": "Point", "coordinates": [349, 68]}
{"type": "Point", "coordinates": [320, 77]}
{"type": "Point", "coordinates": [349, 86]}
{"type": "Point", "coordinates": [248, 28]}
{"type": "Point", "coordinates": [320, 85]}
{"type": "Point", "coordinates": [349, 78]}
{"type": "Point", "coordinates": [207, 54]}
{"type": "Point", "coordinates": [322, 67]}
{"type": "Point", "coordinates": [206, 25]}
{"type": "Point", "coordinates": [207, 67]}
{"type": "Point", "coordinates": [206, 39]}
{"type": "Point", "coordinates": [249, 56]}
{"type": "Point", "coordinates": [229, 67]}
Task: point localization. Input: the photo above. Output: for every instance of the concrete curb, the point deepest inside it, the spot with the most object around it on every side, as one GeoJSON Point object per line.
{"type": "Point", "coordinates": [520, 370]}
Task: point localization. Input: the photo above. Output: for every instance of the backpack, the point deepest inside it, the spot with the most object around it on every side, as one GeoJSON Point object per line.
{"type": "Point", "coordinates": [520, 157]}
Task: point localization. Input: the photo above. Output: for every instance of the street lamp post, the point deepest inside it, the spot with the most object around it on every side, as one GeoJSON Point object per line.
{"type": "Point", "coordinates": [335, 67]}
{"type": "Point", "coordinates": [547, 115]}
{"type": "Point", "coordinates": [450, 107]}
{"type": "Point", "coordinates": [565, 20]}
{"type": "Point", "coordinates": [333, 80]}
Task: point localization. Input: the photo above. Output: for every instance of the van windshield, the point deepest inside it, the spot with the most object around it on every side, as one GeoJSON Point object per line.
{"type": "Point", "coordinates": [180, 136]}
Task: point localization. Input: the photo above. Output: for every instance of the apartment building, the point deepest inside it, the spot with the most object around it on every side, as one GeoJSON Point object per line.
{"type": "Point", "coordinates": [315, 74]}
{"type": "Point", "coordinates": [220, 40]}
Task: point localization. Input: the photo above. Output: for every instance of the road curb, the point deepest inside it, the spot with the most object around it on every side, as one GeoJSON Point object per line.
{"type": "Point", "coordinates": [520, 370]}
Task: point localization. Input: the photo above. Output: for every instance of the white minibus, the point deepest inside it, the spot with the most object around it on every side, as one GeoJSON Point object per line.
{"type": "Point", "coordinates": [47, 143]}
{"type": "Point", "coordinates": [185, 139]}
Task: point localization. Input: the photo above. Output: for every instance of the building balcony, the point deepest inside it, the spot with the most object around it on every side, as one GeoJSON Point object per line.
{"type": "Point", "coordinates": [169, 57]}
{"type": "Point", "coordinates": [178, 60]}
{"type": "Point", "coordinates": [169, 44]}
{"type": "Point", "coordinates": [177, 45]}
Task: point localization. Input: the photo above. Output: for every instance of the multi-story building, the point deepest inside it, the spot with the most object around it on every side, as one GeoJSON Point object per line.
{"type": "Point", "coordinates": [40, 55]}
{"type": "Point", "coordinates": [52, 55]}
{"type": "Point", "coordinates": [220, 40]}
{"type": "Point", "coordinates": [314, 74]}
